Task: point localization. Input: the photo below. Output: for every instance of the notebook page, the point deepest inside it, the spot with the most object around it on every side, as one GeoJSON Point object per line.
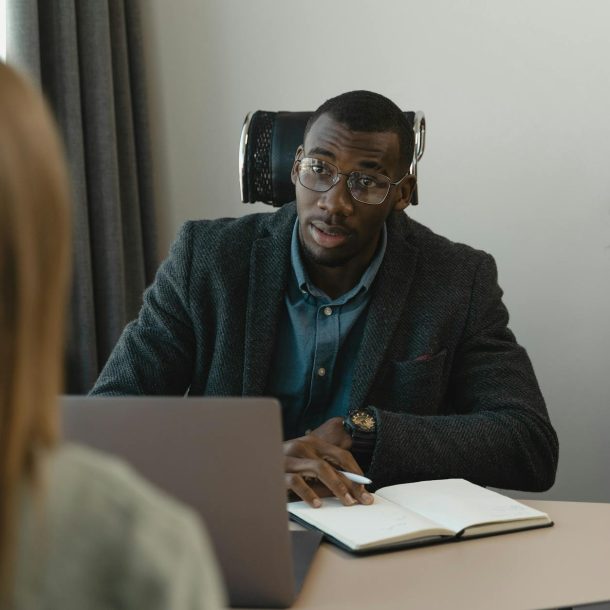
{"type": "Point", "coordinates": [359, 526]}
{"type": "Point", "coordinates": [459, 504]}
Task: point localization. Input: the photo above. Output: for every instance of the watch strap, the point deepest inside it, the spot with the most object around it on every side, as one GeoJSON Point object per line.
{"type": "Point", "coordinates": [363, 443]}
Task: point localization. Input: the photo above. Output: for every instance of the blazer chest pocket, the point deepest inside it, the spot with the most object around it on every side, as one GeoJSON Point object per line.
{"type": "Point", "coordinates": [411, 386]}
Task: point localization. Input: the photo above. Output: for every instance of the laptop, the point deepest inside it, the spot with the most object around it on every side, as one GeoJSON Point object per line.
{"type": "Point", "coordinates": [222, 457]}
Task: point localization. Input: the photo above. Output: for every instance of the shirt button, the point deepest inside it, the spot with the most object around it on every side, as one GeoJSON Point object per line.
{"type": "Point", "coordinates": [321, 371]}
{"type": "Point", "coordinates": [328, 311]}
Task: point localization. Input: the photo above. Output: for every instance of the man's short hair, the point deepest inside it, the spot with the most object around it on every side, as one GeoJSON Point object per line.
{"type": "Point", "coordinates": [368, 111]}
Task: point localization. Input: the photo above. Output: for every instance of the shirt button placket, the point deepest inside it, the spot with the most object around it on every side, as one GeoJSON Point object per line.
{"type": "Point", "coordinates": [327, 311]}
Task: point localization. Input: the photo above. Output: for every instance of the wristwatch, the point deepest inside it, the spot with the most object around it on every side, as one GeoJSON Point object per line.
{"type": "Point", "coordinates": [361, 425]}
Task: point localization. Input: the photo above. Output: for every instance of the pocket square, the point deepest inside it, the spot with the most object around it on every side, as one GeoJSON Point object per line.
{"type": "Point", "coordinates": [429, 355]}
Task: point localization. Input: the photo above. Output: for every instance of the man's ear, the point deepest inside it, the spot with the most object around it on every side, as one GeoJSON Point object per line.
{"type": "Point", "coordinates": [293, 171]}
{"type": "Point", "coordinates": [405, 190]}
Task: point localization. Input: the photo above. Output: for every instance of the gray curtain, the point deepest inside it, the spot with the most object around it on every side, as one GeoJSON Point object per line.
{"type": "Point", "coordinates": [88, 57]}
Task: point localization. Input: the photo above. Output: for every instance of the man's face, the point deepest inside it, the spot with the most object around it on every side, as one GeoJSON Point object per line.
{"type": "Point", "coordinates": [334, 228]}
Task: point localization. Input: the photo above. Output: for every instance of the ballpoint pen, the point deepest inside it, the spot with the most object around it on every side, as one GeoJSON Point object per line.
{"type": "Point", "coordinates": [356, 478]}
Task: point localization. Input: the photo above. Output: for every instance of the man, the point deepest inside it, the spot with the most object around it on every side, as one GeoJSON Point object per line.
{"type": "Point", "coordinates": [386, 344]}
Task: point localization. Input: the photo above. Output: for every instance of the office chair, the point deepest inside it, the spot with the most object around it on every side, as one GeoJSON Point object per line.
{"type": "Point", "coordinates": [267, 146]}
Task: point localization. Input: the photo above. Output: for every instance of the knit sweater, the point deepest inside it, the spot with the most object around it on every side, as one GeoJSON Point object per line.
{"type": "Point", "coordinates": [455, 394]}
{"type": "Point", "coordinates": [102, 538]}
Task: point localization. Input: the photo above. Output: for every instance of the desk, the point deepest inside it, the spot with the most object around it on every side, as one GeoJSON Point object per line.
{"type": "Point", "coordinates": [545, 568]}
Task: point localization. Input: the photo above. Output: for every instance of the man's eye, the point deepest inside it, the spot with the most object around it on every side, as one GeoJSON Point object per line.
{"type": "Point", "coordinates": [319, 168]}
{"type": "Point", "coordinates": [367, 182]}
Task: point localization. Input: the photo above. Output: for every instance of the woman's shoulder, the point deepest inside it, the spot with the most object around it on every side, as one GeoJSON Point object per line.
{"type": "Point", "coordinates": [98, 492]}
{"type": "Point", "coordinates": [104, 523]}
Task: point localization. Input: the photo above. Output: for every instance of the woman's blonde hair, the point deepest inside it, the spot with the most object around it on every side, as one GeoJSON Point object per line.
{"type": "Point", "coordinates": [34, 276]}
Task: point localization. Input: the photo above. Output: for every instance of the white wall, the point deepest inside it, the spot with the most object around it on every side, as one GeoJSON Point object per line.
{"type": "Point", "coordinates": [2, 30]}
{"type": "Point", "coordinates": [517, 98]}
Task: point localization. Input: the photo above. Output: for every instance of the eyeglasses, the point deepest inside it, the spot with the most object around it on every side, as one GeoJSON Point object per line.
{"type": "Point", "coordinates": [321, 176]}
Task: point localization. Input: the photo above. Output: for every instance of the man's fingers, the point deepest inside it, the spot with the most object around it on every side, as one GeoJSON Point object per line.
{"type": "Point", "coordinates": [321, 470]}
{"type": "Point", "coordinates": [342, 488]}
{"type": "Point", "coordinates": [297, 484]}
{"type": "Point", "coordinates": [340, 458]}
{"type": "Point", "coordinates": [357, 491]}
{"type": "Point", "coordinates": [306, 467]}
{"type": "Point", "coordinates": [362, 495]}
{"type": "Point", "coordinates": [312, 490]}
{"type": "Point", "coordinates": [313, 447]}
{"type": "Point", "coordinates": [312, 457]}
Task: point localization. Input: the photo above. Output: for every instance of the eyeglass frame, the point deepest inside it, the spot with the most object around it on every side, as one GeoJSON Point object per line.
{"type": "Point", "coordinates": [348, 176]}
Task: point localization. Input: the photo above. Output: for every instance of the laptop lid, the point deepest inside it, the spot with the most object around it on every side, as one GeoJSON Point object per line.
{"type": "Point", "coordinates": [221, 456]}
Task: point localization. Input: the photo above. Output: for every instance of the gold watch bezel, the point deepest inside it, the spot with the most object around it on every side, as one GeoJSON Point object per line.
{"type": "Point", "coordinates": [363, 421]}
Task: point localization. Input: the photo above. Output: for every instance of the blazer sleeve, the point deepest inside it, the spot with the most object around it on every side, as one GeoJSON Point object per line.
{"type": "Point", "coordinates": [155, 354]}
{"type": "Point", "coordinates": [499, 433]}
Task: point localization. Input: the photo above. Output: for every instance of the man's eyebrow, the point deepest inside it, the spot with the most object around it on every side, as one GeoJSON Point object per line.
{"type": "Point", "coordinates": [318, 150]}
{"type": "Point", "coordinates": [372, 165]}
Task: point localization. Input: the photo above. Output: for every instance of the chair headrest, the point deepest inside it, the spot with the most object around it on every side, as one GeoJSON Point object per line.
{"type": "Point", "coordinates": [267, 146]}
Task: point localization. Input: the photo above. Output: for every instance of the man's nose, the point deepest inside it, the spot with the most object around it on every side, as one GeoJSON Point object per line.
{"type": "Point", "coordinates": [338, 199]}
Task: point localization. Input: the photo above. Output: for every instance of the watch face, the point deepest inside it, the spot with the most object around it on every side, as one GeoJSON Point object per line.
{"type": "Point", "coordinates": [363, 421]}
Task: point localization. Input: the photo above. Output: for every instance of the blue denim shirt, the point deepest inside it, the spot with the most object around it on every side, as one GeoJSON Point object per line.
{"type": "Point", "coordinates": [317, 343]}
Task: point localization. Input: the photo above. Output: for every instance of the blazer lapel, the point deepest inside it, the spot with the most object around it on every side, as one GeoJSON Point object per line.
{"type": "Point", "coordinates": [388, 301]}
{"type": "Point", "coordinates": [269, 266]}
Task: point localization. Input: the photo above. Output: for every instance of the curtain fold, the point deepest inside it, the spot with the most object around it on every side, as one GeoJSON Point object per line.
{"type": "Point", "coordinates": [88, 58]}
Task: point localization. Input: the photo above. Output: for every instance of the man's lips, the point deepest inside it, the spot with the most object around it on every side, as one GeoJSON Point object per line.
{"type": "Point", "coordinates": [328, 236]}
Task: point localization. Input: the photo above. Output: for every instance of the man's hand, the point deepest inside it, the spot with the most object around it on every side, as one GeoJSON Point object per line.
{"type": "Point", "coordinates": [317, 456]}
{"type": "Point", "coordinates": [332, 431]}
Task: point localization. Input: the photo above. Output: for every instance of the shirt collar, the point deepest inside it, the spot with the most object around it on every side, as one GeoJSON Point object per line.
{"type": "Point", "coordinates": [304, 282]}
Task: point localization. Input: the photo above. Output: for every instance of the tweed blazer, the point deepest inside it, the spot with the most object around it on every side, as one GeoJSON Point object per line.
{"type": "Point", "coordinates": [455, 394]}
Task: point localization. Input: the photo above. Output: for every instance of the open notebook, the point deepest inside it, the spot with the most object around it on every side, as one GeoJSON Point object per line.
{"type": "Point", "coordinates": [413, 514]}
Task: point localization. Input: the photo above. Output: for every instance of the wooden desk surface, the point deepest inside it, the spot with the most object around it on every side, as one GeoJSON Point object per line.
{"type": "Point", "coordinates": [545, 568]}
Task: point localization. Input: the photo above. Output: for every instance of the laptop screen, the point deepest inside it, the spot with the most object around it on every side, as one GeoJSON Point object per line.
{"type": "Point", "coordinates": [222, 457]}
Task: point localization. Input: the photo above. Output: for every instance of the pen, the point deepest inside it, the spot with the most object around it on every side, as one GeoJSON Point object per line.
{"type": "Point", "coordinates": [356, 478]}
